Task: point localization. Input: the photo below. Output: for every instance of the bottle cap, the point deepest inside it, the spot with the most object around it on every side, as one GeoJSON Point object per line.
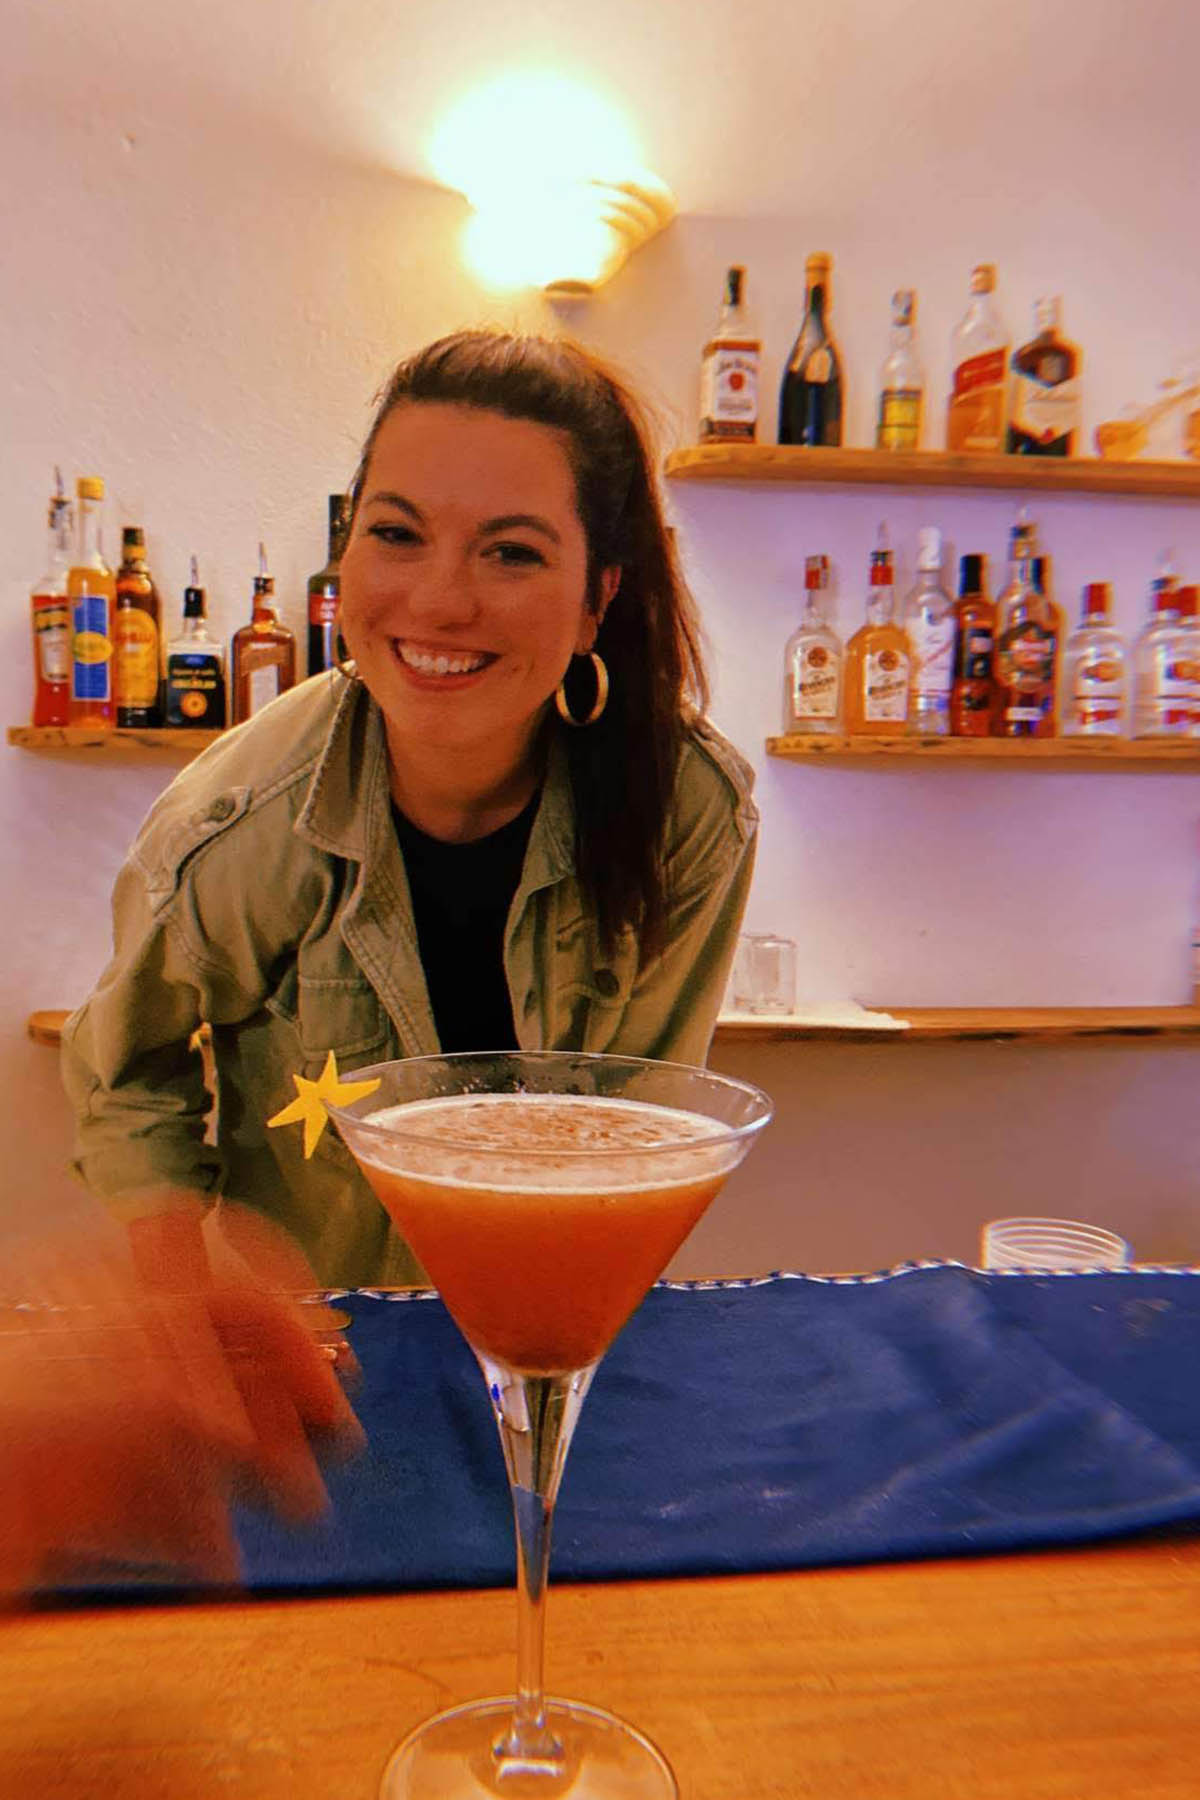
{"type": "Point", "coordinates": [983, 278]}
{"type": "Point", "coordinates": [816, 571]}
{"type": "Point", "coordinates": [264, 584]}
{"type": "Point", "coordinates": [90, 487]}
{"type": "Point", "coordinates": [193, 595]}
{"type": "Point", "coordinates": [1187, 601]}
{"type": "Point", "coordinates": [970, 573]}
{"type": "Point", "coordinates": [929, 547]}
{"type": "Point", "coordinates": [735, 278]}
{"type": "Point", "coordinates": [818, 265]}
{"type": "Point", "coordinates": [1096, 599]}
{"type": "Point", "coordinates": [904, 306]}
{"type": "Point", "coordinates": [133, 537]}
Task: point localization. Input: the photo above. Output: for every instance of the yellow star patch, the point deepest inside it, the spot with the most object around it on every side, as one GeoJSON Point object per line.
{"type": "Point", "coordinates": [314, 1096]}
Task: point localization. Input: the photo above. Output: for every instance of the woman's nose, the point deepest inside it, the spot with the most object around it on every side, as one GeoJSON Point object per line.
{"type": "Point", "coordinates": [442, 592]}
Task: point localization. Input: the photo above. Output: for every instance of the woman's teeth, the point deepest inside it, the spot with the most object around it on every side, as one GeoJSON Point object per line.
{"type": "Point", "coordinates": [427, 662]}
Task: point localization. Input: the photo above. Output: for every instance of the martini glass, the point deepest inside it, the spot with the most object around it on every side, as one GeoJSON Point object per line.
{"type": "Point", "coordinates": [544, 1192]}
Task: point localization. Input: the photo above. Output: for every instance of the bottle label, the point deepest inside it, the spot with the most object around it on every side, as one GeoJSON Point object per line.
{"type": "Point", "coordinates": [1046, 413]}
{"type": "Point", "coordinates": [932, 645]}
{"type": "Point", "coordinates": [1025, 659]}
{"type": "Point", "coordinates": [885, 685]}
{"type": "Point", "coordinates": [135, 658]}
{"type": "Point", "coordinates": [1097, 694]}
{"type": "Point", "coordinates": [195, 689]}
{"type": "Point", "coordinates": [973, 654]}
{"type": "Point", "coordinates": [1167, 699]}
{"type": "Point", "coordinates": [91, 651]}
{"type": "Point", "coordinates": [816, 681]}
{"type": "Point", "coordinates": [975, 420]}
{"type": "Point", "coordinates": [729, 392]}
{"type": "Point", "coordinates": [323, 604]}
{"type": "Point", "coordinates": [52, 637]}
{"type": "Point", "coordinates": [899, 424]}
{"type": "Point", "coordinates": [263, 686]}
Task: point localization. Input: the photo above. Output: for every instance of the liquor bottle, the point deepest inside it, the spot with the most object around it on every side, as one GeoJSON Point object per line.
{"type": "Point", "coordinates": [973, 690]}
{"type": "Point", "coordinates": [975, 418]}
{"type": "Point", "coordinates": [1046, 393]}
{"type": "Point", "coordinates": [1189, 620]}
{"type": "Point", "coordinates": [1162, 684]}
{"type": "Point", "coordinates": [810, 398]}
{"type": "Point", "coordinates": [729, 370]}
{"type": "Point", "coordinates": [1093, 678]}
{"type": "Point", "coordinates": [51, 618]}
{"type": "Point", "coordinates": [324, 591]}
{"type": "Point", "coordinates": [812, 687]}
{"type": "Point", "coordinates": [264, 651]}
{"type": "Point", "coordinates": [1026, 654]}
{"type": "Point", "coordinates": [195, 684]}
{"type": "Point", "coordinates": [876, 666]}
{"type": "Point", "coordinates": [929, 627]}
{"type": "Point", "coordinates": [901, 381]}
{"type": "Point", "coordinates": [137, 641]}
{"type": "Point", "coordinates": [93, 592]}
{"type": "Point", "coordinates": [1040, 569]}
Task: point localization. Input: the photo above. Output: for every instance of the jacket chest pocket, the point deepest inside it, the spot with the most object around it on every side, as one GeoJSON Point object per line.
{"type": "Point", "coordinates": [333, 1013]}
{"type": "Point", "coordinates": [591, 989]}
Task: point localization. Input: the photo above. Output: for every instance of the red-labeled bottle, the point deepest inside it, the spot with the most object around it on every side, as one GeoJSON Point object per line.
{"type": "Point", "coordinates": [51, 618]}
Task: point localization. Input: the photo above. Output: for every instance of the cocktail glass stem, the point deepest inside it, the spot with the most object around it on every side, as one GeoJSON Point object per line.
{"type": "Point", "coordinates": [536, 1415]}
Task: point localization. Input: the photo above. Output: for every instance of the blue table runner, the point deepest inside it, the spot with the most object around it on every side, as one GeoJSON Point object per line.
{"type": "Point", "coordinates": [777, 1424]}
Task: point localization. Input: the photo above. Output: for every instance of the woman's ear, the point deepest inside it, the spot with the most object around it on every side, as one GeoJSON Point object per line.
{"type": "Point", "coordinates": [606, 587]}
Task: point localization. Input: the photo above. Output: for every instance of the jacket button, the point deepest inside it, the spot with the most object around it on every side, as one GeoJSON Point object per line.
{"type": "Point", "coordinates": [607, 984]}
{"type": "Point", "coordinates": [221, 808]}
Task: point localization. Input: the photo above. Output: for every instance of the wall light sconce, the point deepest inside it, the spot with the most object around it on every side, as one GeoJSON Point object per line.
{"type": "Point", "coordinates": [526, 151]}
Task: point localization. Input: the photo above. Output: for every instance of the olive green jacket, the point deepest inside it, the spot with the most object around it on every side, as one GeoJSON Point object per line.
{"type": "Point", "coordinates": [266, 894]}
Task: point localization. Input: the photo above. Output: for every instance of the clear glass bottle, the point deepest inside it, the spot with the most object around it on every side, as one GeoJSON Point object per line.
{"type": "Point", "coordinates": [929, 627]}
{"type": "Point", "coordinates": [195, 682]}
{"type": "Point", "coordinates": [1094, 670]}
{"type": "Point", "coordinates": [812, 685]}
{"type": "Point", "coordinates": [729, 370]}
{"type": "Point", "coordinates": [1027, 641]}
{"type": "Point", "coordinates": [1162, 684]}
{"type": "Point", "coordinates": [810, 396]}
{"type": "Point", "coordinates": [901, 381]}
{"type": "Point", "coordinates": [977, 412]}
{"type": "Point", "coordinates": [324, 591]}
{"type": "Point", "coordinates": [92, 589]}
{"type": "Point", "coordinates": [1189, 621]}
{"type": "Point", "coordinates": [1046, 399]}
{"type": "Point", "coordinates": [876, 664]}
{"type": "Point", "coordinates": [50, 611]}
{"type": "Point", "coordinates": [264, 651]}
{"type": "Point", "coordinates": [137, 639]}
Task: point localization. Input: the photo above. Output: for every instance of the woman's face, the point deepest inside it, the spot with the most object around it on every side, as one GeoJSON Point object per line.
{"type": "Point", "coordinates": [463, 583]}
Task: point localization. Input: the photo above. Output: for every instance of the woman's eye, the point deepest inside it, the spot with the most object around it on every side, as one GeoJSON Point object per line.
{"type": "Point", "coordinates": [516, 555]}
{"type": "Point", "coordinates": [394, 534]}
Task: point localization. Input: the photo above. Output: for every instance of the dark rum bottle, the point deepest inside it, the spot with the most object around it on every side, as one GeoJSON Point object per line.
{"type": "Point", "coordinates": [137, 640]}
{"type": "Point", "coordinates": [324, 591]}
{"type": "Point", "coordinates": [973, 691]}
{"type": "Point", "coordinates": [810, 398]}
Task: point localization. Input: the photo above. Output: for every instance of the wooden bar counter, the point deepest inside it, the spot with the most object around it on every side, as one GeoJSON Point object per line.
{"type": "Point", "coordinates": [1052, 1676]}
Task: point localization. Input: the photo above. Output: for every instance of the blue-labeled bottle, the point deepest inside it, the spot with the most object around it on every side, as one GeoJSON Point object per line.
{"type": "Point", "coordinates": [195, 689]}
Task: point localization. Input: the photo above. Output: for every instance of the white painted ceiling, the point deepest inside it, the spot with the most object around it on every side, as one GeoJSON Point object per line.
{"type": "Point", "coordinates": [743, 106]}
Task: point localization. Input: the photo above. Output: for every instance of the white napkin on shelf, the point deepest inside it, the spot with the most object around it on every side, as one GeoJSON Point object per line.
{"type": "Point", "coordinates": [845, 1015]}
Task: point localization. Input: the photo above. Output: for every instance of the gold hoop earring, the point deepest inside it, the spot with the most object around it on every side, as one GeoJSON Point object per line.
{"type": "Point", "coordinates": [598, 704]}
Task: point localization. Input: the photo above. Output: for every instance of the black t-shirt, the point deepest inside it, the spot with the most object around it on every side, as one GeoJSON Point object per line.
{"type": "Point", "coordinates": [461, 894]}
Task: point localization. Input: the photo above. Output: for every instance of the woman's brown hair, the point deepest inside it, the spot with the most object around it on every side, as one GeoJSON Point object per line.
{"type": "Point", "coordinates": [622, 768]}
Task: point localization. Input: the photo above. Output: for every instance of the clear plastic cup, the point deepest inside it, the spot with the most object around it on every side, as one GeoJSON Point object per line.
{"type": "Point", "coordinates": [764, 974]}
{"type": "Point", "coordinates": [1053, 1244]}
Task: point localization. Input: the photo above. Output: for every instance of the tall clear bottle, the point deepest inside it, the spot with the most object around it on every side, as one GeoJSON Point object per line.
{"type": "Point", "coordinates": [729, 370]}
{"type": "Point", "coordinates": [977, 413]}
{"type": "Point", "coordinates": [901, 381]}
{"type": "Point", "coordinates": [929, 627]}
{"type": "Point", "coordinates": [1162, 673]}
{"type": "Point", "coordinates": [876, 665]}
{"type": "Point", "coordinates": [92, 589]}
{"type": "Point", "coordinates": [1027, 644]}
{"type": "Point", "coordinates": [810, 396]}
{"type": "Point", "coordinates": [1094, 673]}
{"type": "Point", "coordinates": [50, 611]}
{"type": "Point", "coordinates": [812, 683]}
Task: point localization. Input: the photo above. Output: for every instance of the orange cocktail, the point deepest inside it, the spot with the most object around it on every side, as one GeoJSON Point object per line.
{"type": "Point", "coordinates": [542, 1255]}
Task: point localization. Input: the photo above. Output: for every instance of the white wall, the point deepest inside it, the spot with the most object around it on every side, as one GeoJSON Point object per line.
{"type": "Point", "coordinates": [201, 313]}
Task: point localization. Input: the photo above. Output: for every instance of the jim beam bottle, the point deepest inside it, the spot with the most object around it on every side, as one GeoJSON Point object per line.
{"type": "Point", "coordinates": [729, 370]}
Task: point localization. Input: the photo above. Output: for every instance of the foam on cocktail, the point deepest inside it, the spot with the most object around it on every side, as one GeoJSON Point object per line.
{"type": "Point", "coordinates": [543, 1218]}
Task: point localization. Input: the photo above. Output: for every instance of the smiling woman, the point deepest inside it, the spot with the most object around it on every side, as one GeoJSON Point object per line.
{"type": "Point", "coordinates": [505, 824]}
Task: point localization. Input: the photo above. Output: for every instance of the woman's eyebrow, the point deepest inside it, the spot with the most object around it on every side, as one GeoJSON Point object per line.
{"type": "Point", "coordinates": [531, 521]}
{"type": "Point", "coordinates": [385, 497]}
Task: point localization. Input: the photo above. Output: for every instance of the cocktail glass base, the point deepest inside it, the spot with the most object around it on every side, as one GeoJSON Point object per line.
{"type": "Point", "coordinates": [458, 1755]}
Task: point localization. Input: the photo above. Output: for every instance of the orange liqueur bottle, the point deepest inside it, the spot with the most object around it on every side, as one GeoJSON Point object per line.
{"type": "Point", "coordinates": [877, 658]}
{"type": "Point", "coordinates": [264, 652]}
{"type": "Point", "coordinates": [973, 693]}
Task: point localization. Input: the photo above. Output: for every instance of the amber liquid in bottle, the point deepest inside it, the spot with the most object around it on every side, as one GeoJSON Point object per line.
{"type": "Point", "coordinates": [877, 659]}
{"type": "Point", "coordinates": [264, 653]}
{"type": "Point", "coordinates": [137, 644]}
{"type": "Point", "coordinates": [973, 693]}
{"type": "Point", "coordinates": [92, 591]}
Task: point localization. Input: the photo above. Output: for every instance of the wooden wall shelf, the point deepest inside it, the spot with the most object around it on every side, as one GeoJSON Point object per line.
{"type": "Point", "coordinates": [161, 742]}
{"type": "Point", "coordinates": [933, 468]}
{"type": "Point", "coordinates": [926, 1024]}
{"type": "Point", "coordinates": [1071, 752]}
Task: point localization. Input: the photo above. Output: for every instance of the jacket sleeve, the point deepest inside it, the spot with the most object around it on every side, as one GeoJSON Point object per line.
{"type": "Point", "coordinates": [136, 1083]}
{"type": "Point", "coordinates": [675, 1000]}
